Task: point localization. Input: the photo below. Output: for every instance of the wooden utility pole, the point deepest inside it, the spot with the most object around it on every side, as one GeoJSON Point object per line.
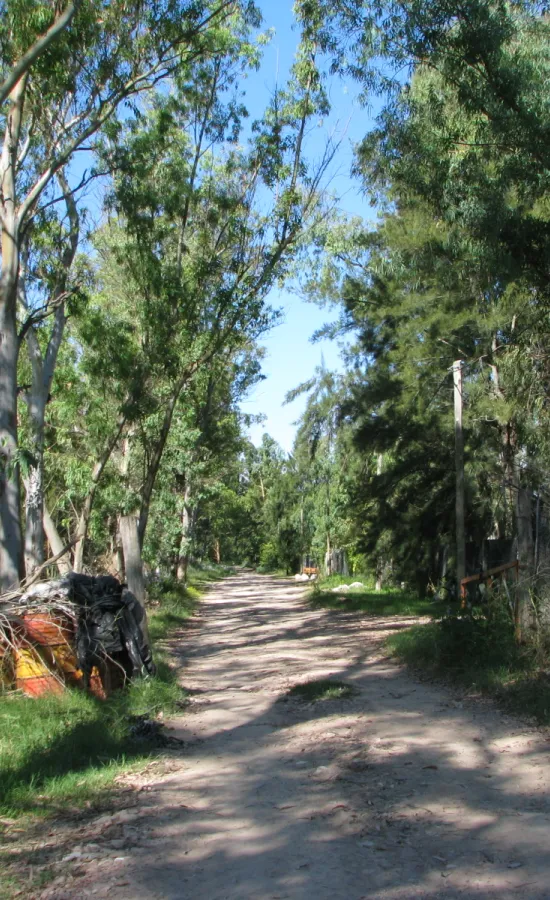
{"type": "Point", "coordinates": [379, 562]}
{"type": "Point", "coordinates": [459, 464]}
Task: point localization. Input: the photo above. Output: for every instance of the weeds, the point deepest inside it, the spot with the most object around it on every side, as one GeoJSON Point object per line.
{"type": "Point", "coordinates": [387, 602]}
{"type": "Point", "coordinates": [319, 690]}
{"type": "Point", "coordinates": [67, 750]}
{"type": "Point", "coordinates": [329, 581]}
{"type": "Point", "coordinates": [477, 649]}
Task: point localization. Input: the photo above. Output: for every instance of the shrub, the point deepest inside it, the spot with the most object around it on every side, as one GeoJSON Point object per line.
{"type": "Point", "coordinates": [269, 556]}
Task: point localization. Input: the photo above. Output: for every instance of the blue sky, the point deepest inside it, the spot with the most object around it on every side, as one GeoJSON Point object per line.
{"type": "Point", "coordinates": [291, 358]}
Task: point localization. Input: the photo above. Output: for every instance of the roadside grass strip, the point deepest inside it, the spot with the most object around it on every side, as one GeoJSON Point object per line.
{"type": "Point", "coordinates": [387, 602]}
{"type": "Point", "coordinates": [483, 661]}
{"type": "Point", "coordinates": [67, 750]}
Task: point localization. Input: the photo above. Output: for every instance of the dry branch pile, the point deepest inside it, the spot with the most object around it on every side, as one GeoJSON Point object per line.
{"type": "Point", "coordinates": [79, 629]}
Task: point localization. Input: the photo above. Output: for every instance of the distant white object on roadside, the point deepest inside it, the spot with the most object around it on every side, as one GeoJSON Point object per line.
{"type": "Point", "coordinates": [301, 577]}
{"type": "Point", "coordinates": [357, 584]}
{"type": "Point", "coordinates": [312, 577]}
{"type": "Point", "coordinates": [340, 588]}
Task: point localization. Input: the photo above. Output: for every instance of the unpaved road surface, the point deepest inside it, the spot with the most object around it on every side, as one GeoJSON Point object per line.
{"type": "Point", "coordinates": [404, 791]}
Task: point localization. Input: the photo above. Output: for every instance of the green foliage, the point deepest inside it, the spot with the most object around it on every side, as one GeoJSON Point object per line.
{"type": "Point", "coordinates": [203, 222]}
{"type": "Point", "coordinates": [68, 749]}
{"type": "Point", "coordinates": [454, 268]}
{"type": "Point", "coordinates": [387, 602]}
{"type": "Point", "coordinates": [477, 649]}
{"type": "Point", "coordinates": [319, 691]}
{"type": "Point", "coordinates": [269, 556]}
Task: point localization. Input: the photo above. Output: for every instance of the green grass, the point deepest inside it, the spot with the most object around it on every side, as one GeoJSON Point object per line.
{"type": "Point", "coordinates": [330, 581]}
{"type": "Point", "coordinates": [481, 657]}
{"type": "Point", "coordinates": [387, 602]}
{"type": "Point", "coordinates": [275, 573]}
{"type": "Point", "coordinates": [320, 690]}
{"type": "Point", "coordinates": [200, 576]}
{"type": "Point", "coordinates": [59, 751]}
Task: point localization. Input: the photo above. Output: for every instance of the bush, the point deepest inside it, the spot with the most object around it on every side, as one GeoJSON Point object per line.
{"type": "Point", "coordinates": [269, 556]}
{"type": "Point", "coordinates": [473, 638]}
{"type": "Point", "coordinates": [478, 636]}
{"type": "Point", "coordinates": [477, 648]}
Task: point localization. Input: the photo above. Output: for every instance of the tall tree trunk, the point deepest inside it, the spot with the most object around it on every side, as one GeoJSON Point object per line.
{"type": "Point", "coordinates": [11, 558]}
{"type": "Point", "coordinates": [37, 399]}
{"type": "Point", "coordinates": [34, 489]}
{"type": "Point", "coordinates": [186, 534]}
{"type": "Point", "coordinates": [43, 368]}
{"type": "Point", "coordinates": [460, 506]}
{"type": "Point", "coordinates": [86, 512]}
{"type": "Point", "coordinates": [132, 557]}
{"type": "Point", "coordinates": [217, 553]}
{"type": "Point", "coordinates": [134, 566]}
{"type": "Point", "coordinates": [156, 457]}
{"type": "Point", "coordinates": [55, 542]}
{"type": "Point", "coordinates": [11, 563]}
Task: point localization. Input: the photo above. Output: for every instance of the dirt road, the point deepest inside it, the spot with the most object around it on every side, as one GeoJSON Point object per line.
{"type": "Point", "coordinates": [402, 791]}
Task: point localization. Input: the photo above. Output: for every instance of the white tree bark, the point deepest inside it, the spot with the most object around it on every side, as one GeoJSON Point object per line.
{"type": "Point", "coordinates": [43, 368]}
{"type": "Point", "coordinates": [56, 544]}
{"type": "Point", "coordinates": [187, 525]}
{"type": "Point", "coordinates": [37, 399]}
{"type": "Point", "coordinates": [11, 560]}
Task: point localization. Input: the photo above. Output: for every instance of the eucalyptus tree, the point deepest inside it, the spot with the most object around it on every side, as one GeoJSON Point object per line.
{"type": "Point", "coordinates": [50, 284]}
{"type": "Point", "coordinates": [205, 227]}
{"type": "Point", "coordinates": [64, 75]}
{"type": "Point", "coordinates": [495, 54]}
{"type": "Point", "coordinates": [200, 462]}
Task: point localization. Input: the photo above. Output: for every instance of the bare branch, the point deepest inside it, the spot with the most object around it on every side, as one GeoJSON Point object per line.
{"type": "Point", "coordinates": [43, 312]}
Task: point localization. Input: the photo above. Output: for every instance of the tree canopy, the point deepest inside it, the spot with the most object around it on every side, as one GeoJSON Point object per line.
{"type": "Point", "coordinates": [129, 343]}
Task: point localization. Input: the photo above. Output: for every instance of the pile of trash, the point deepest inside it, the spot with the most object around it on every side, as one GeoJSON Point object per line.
{"type": "Point", "coordinates": [77, 630]}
